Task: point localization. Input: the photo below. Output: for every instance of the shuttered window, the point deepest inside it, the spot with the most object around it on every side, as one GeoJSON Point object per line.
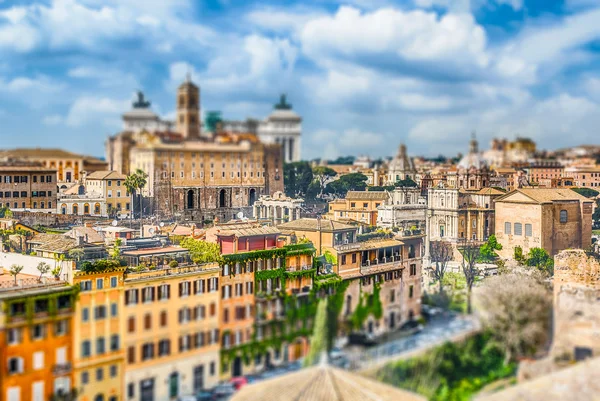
{"type": "Point", "coordinates": [518, 229]}
{"type": "Point", "coordinates": [528, 230]}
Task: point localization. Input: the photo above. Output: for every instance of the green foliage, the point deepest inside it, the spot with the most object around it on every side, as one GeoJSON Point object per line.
{"type": "Point", "coordinates": [406, 183]}
{"type": "Point", "coordinates": [587, 192]}
{"type": "Point", "coordinates": [301, 245]}
{"type": "Point", "coordinates": [102, 265]}
{"type": "Point", "coordinates": [254, 255]}
{"type": "Point", "coordinates": [348, 182]}
{"type": "Point", "coordinates": [318, 340]}
{"type": "Point", "coordinates": [381, 189]}
{"type": "Point", "coordinates": [301, 273]}
{"type": "Point", "coordinates": [43, 268]}
{"type": "Point", "coordinates": [173, 263]}
{"type": "Point", "coordinates": [297, 177]}
{"type": "Point", "coordinates": [539, 258]}
{"type": "Point", "coordinates": [330, 257]}
{"type": "Point", "coordinates": [202, 251]}
{"type": "Point", "coordinates": [115, 254]}
{"type": "Point", "coordinates": [322, 175]}
{"type": "Point", "coordinates": [213, 119]}
{"type": "Point", "coordinates": [77, 254]}
{"type": "Point", "coordinates": [15, 270]}
{"type": "Point", "coordinates": [518, 254]}
{"type": "Point", "coordinates": [379, 234]}
{"type": "Point", "coordinates": [368, 304]}
{"type": "Point", "coordinates": [5, 213]}
{"type": "Point", "coordinates": [452, 371]}
{"type": "Point", "coordinates": [262, 275]}
{"type": "Point", "coordinates": [487, 251]}
{"type": "Point", "coordinates": [342, 160]}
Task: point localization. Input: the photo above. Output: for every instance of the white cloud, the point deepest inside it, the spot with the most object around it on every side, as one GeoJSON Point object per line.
{"type": "Point", "coordinates": [333, 143]}
{"type": "Point", "coordinates": [104, 76]}
{"type": "Point", "coordinates": [90, 109]}
{"type": "Point", "coordinates": [53, 119]}
{"type": "Point", "coordinates": [40, 84]}
{"type": "Point", "coordinates": [281, 20]}
{"type": "Point", "coordinates": [94, 25]}
{"type": "Point", "coordinates": [397, 38]}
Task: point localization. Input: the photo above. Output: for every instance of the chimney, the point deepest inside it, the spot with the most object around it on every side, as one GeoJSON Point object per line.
{"type": "Point", "coordinates": [79, 240]}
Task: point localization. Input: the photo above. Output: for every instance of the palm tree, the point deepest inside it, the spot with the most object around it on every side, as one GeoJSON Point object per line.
{"type": "Point", "coordinates": [135, 182]}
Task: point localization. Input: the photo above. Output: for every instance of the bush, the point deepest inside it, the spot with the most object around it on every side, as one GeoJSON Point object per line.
{"type": "Point", "coordinates": [173, 263]}
{"type": "Point", "coordinates": [519, 254]}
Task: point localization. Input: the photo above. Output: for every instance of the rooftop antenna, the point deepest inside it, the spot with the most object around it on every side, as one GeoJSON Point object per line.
{"type": "Point", "coordinates": [188, 75]}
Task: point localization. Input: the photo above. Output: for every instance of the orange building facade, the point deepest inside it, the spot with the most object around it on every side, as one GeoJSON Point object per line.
{"type": "Point", "coordinates": [36, 325]}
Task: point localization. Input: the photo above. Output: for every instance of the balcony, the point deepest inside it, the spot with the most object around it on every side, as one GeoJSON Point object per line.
{"type": "Point", "coordinates": [61, 369]}
{"type": "Point", "coordinates": [383, 264]}
{"type": "Point", "coordinates": [346, 246]}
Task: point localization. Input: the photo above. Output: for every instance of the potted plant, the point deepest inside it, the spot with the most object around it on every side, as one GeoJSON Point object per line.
{"type": "Point", "coordinates": [56, 272]}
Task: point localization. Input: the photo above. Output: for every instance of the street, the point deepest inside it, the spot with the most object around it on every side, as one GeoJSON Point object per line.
{"type": "Point", "coordinates": [436, 332]}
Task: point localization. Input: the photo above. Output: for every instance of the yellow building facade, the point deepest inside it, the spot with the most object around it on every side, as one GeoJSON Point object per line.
{"type": "Point", "coordinates": [171, 338]}
{"type": "Point", "coordinates": [111, 186]}
{"type": "Point", "coordinates": [98, 356]}
{"type": "Point", "coordinates": [359, 206]}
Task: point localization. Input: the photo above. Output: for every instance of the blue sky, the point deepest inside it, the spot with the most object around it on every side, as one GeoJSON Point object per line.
{"type": "Point", "coordinates": [364, 74]}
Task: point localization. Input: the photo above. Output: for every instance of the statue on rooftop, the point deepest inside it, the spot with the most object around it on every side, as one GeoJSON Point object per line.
{"type": "Point", "coordinates": [283, 104]}
{"type": "Point", "coordinates": [141, 103]}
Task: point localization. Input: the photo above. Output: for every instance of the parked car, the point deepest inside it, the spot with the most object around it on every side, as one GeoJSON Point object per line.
{"type": "Point", "coordinates": [238, 382]}
{"type": "Point", "coordinates": [204, 396]}
{"type": "Point", "coordinates": [223, 391]}
{"type": "Point", "coordinates": [412, 327]}
{"type": "Point", "coordinates": [362, 338]}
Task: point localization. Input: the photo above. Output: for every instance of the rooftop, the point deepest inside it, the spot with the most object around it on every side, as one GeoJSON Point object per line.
{"type": "Point", "coordinates": [106, 175]}
{"type": "Point", "coordinates": [155, 251]}
{"type": "Point", "coordinates": [547, 195]}
{"type": "Point", "coordinates": [308, 224]}
{"type": "Point", "coordinates": [249, 231]}
{"type": "Point", "coordinates": [323, 383]}
{"type": "Point", "coordinates": [367, 195]}
{"type": "Point", "coordinates": [45, 153]}
{"type": "Point", "coordinates": [579, 382]}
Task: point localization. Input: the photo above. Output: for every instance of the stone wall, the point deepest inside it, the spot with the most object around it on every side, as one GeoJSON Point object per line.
{"type": "Point", "coordinates": [46, 219]}
{"type": "Point", "coordinates": [576, 304]}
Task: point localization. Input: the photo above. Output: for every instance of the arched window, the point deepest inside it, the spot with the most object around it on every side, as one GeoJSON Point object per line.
{"type": "Point", "coordinates": [99, 397]}
{"type": "Point", "coordinates": [563, 216]}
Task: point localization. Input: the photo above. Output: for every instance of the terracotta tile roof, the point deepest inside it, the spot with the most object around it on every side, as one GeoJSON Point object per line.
{"type": "Point", "coordinates": [490, 191]}
{"type": "Point", "coordinates": [90, 235]}
{"type": "Point", "coordinates": [579, 382]}
{"type": "Point", "coordinates": [547, 195]}
{"type": "Point", "coordinates": [53, 243]}
{"type": "Point", "coordinates": [249, 231]}
{"type": "Point", "coordinates": [307, 224]}
{"type": "Point", "coordinates": [379, 243]}
{"type": "Point", "coordinates": [44, 153]}
{"type": "Point", "coordinates": [106, 175]}
{"type": "Point", "coordinates": [367, 195]}
{"type": "Point", "coordinates": [323, 383]}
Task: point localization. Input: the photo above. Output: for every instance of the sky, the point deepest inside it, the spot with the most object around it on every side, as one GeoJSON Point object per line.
{"type": "Point", "coordinates": [365, 75]}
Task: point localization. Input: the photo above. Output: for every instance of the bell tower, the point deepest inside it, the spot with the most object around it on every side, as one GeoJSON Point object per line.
{"type": "Point", "coordinates": [188, 110]}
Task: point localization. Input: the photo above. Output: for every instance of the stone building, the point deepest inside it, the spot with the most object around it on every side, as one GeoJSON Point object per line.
{"type": "Point", "coordinates": [541, 171]}
{"type": "Point", "coordinates": [457, 216]}
{"type": "Point", "coordinates": [195, 175]}
{"type": "Point", "coordinates": [278, 208]}
{"type": "Point", "coordinates": [472, 173]}
{"type": "Point", "coordinates": [553, 219]}
{"type": "Point", "coordinates": [584, 176]}
{"type": "Point", "coordinates": [361, 206]}
{"type": "Point", "coordinates": [392, 267]}
{"type": "Point", "coordinates": [283, 126]}
{"type": "Point", "coordinates": [400, 167]}
{"type": "Point", "coordinates": [405, 209]}
{"type": "Point", "coordinates": [69, 166]}
{"type": "Point", "coordinates": [27, 186]}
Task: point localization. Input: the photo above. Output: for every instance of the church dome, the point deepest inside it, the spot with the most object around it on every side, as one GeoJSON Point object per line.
{"type": "Point", "coordinates": [401, 162]}
{"type": "Point", "coordinates": [473, 159]}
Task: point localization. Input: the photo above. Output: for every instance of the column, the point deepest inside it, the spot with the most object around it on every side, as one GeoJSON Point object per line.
{"type": "Point", "coordinates": [297, 213]}
{"type": "Point", "coordinates": [255, 210]}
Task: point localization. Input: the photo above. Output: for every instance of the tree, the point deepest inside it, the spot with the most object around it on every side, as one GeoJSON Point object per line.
{"type": "Point", "coordinates": [76, 253]}
{"type": "Point", "coordinates": [343, 160]}
{"type": "Point", "coordinates": [407, 182]}
{"type": "Point", "coordinates": [15, 270]}
{"type": "Point", "coordinates": [43, 268]}
{"type": "Point", "coordinates": [440, 253]}
{"type": "Point", "coordinates": [587, 192]}
{"type": "Point", "coordinates": [297, 177]}
{"type": "Point", "coordinates": [539, 258]}
{"type": "Point", "coordinates": [323, 175]}
{"type": "Point", "coordinates": [517, 310]}
{"type": "Point", "coordinates": [487, 251]}
{"type": "Point", "coordinates": [202, 251]}
{"type": "Point", "coordinates": [116, 250]}
{"type": "Point", "coordinates": [348, 182]}
{"type": "Point", "coordinates": [134, 183]}
{"type": "Point", "coordinates": [470, 254]}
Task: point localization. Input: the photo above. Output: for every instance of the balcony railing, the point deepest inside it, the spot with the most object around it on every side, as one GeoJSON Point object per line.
{"type": "Point", "coordinates": [61, 369]}
{"type": "Point", "coordinates": [299, 268]}
{"type": "Point", "coordinates": [346, 246]}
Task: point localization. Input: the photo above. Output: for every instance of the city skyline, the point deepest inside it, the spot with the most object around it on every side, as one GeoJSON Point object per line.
{"type": "Point", "coordinates": [428, 76]}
